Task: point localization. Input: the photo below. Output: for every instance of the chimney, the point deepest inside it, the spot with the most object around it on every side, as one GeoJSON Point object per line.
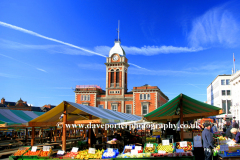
{"type": "Point", "coordinates": [25, 102]}
{"type": "Point", "coordinates": [3, 101]}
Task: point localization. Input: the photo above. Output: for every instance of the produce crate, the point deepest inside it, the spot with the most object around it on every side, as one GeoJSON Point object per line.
{"type": "Point", "coordinates": [45, 157]}
{"type": "Point", "coordinates": [233, 148]}
{"type": "Point", "coordinates": [173, 146]}
{"type": "Point", "coordinates": [154, 144]}
{"type": "Point", "coordinates": [229, 154]}
{"type": "Point", "coordinates": [25, 147]}
{"type": "Point", "coordinates": [133, 146]}
{"type": "Point", "coordinates": [151, 139]}
{"type": "Point", "coordinates": [187, 142]}
{"type": "Point", "coordinates": [114, 156]}
{"type": "Point", "coordinates": [30, 156]}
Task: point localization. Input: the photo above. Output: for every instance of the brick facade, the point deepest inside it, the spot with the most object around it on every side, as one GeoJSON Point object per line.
{"type": "Point", "coordinates": [141, 99]}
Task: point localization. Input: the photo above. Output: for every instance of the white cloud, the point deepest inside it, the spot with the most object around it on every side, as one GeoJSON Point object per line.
{"type": "Point", "coordinates": [41, 70]}
{"type": "Point", "coordinates": [216, 27]}
{"type": "Point", "coordinates": [8, 75]}
{"type": "Point", "coordinates": [148, 50]}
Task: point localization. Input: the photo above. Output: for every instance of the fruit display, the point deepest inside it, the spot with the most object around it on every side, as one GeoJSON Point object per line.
{"type": "Point", "coordinates": [140, 155]}
{"type": "Point", "coordinates": [188, 148]}
{"type": "Point", "coordinates": [167, 148]}
{"type": "Point", "coordinates": [71, 154]}
{"type": "Point", "coordinates": [45, 153]}
{"type": "Point", "coordinates": [110, 153]}
{"type": "Point", "coordinates": [151, 139]}
{"type": "Point", "coordinates": [85, 155]}
{"type": "Point", "coordinates": [150, 148]}
{"type": "Point", "coordinates": [159, 154]}
{"type": "Point", "coordinates": [21, 151]}
{"type": "Point", "coordinates": [127, 150]}
{"type": "Point", "coordinates": [31, 153]}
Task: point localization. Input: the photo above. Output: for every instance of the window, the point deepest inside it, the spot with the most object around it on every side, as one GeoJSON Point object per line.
{"type": "Point", "coordinates": [228, 92]}
{"type": "Point", "coordinates": [144, 95]}
{"type": "Point", "coordinates": [148, 96]}
{"type": "Point", "coordinates": [114, 107]}
{"type": "Point", "coordinates": [144, 109]}
{"type": "Point", "coordinates": [112, 78]}
{"type": "Point", "coordinates": [224, 106]}
{"type": "Point", "coordinates": [228, 82]}
{"type": "Point", "coordinates": [129, 109]}
{"type": "Point", "coordinates": [100, 106]}
{"type": "Point", "coordinates": [229, 104]}
{"type": "Point", "coordinates": [223, 82]}
{"type": "Point", "coordinates": [117, 76]}
{"type": "Point", "coordinates": [82, 97]}
{"type": "Point", "coordinates": [223, 92]}
{"type": "Point", "coordinates": [141, 97]}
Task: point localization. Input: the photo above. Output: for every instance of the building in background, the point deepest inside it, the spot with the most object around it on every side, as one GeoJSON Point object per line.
{"type": "Point", "coordinates": [219, 94]}
{"type": "Point", "coordinates": [140, 101]}
{"type": "Point", "coordinates": [22, 105]}
{"type": "Point", "coordinates": [235, 83]}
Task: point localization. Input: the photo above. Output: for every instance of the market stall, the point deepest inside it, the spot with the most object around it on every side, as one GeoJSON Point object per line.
{"type": "Point", "coordinates": [79, 115]}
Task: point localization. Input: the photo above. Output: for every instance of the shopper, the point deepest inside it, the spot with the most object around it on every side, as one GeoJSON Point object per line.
{"type": "Point", "coordinates": [237, 133]}
{"type": "Point", "coordinates": [208, 143]}
{"type": "Point", "coordinates": [214, 128]}
{"type": "Point", "coordinates": [228, 130]}
{"type": "Point", "coordinates": [234, 124]}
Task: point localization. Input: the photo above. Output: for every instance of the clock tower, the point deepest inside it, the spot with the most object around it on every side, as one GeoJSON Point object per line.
{"type": "Point", "coordinates": [116, 71]}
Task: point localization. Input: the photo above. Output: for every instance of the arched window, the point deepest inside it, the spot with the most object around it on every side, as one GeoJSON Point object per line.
{"type": "Point", "coordinates": [112, 78]}
{"type": "Point", "coordinates": [117, 77]}
{"type": "Point", "coordinates": [148, 96]}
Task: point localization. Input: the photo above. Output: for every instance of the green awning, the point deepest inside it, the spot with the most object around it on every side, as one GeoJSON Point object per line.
{"type": "Point", "coordinates": [192, 109]}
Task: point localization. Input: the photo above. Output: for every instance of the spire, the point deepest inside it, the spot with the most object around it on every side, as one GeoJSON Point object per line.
{"type": "Point", "coordinates": [118, 30]}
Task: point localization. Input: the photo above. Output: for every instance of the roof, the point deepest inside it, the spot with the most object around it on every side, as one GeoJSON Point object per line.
{"type": "Point", "coordinates": [10, 103]}
{"type": "Point", "coordinates": [192, 109]}
{"type": "Point", "coordinates": [11, 117]}
{"type": "Point", "coordinates": [117, 49]}
{"type": "Point", "coordinates": [219, 76]}
{"type": "Point", "coordinates": [38, 109]}
{"type": "Point", "coordinates": [81, 112]}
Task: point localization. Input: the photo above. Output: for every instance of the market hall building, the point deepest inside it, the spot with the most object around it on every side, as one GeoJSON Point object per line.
{"type": "Point", "coordinates": [140, 101]}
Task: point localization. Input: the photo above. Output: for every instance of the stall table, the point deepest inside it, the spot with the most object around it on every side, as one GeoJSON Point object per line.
{"type": "Point", "coordinates": [155, 158]}
{"type": "Point", "coordinates": [222, 157]}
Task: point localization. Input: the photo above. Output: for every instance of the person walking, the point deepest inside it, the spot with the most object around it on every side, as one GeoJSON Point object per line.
{"type": "Point", "coordinates": [208, 143]}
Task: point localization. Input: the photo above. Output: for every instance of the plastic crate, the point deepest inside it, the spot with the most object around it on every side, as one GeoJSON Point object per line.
{"type": "Point", "coordinates": [114, 156]}
{"type": "Point", "coordinates": [229, 154]}
{"type": "Point", "coordinates": [30, 157]}
{"type": "Point", "coordinates": [188, 150]}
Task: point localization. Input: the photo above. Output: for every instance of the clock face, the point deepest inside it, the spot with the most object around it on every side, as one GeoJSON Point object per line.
{"type": "Point", "coordinates": [115, 57]}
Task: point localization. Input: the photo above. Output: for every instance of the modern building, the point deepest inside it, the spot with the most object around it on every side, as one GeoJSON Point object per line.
{"type": "Point", "coordinates": [235, 83]}
{"type": "Point", "coordinates": [219, 93]}
{"type": "Point", "coordinates": [140, 101]}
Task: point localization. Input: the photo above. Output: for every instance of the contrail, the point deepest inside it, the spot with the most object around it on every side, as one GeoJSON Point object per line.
{"type": "Point", "coordinates": [54, 40]}
{"type": "Point", "coordinates": [48, 38]}
{"type": "Point", "coordinates": [23, 63]}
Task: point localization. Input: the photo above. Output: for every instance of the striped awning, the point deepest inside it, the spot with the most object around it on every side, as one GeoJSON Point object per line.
{"type": "Point", "coordinates": [81, 112]}
{"type": "Point", "coordinates": [192, 109]}
{"type": "Point", "coordinates": [17, 117]}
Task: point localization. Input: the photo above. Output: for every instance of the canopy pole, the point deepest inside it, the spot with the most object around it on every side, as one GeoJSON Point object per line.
{"type": "Point", "coordinates": [55, 134]}
{"type": "Point", "coordinates": [51, 133]}
{"type": "Point", "coordinates": [181, 117]}
{"type": "Point", "coordinates": [64, 127]}
{"type": "Point", "coordinates": [89, 133]}
{"type": "Point", "coordinates": [26, 136]}
{"type": "Point", "coordinates": [33, 136]}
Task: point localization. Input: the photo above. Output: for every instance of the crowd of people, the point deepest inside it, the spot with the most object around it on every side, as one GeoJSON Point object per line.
{"type": "Point", "coordinates": [231, 131]}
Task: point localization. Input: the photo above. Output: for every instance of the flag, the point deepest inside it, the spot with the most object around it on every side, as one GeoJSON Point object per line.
{"type": "Point", "coordinates": [233, 57]}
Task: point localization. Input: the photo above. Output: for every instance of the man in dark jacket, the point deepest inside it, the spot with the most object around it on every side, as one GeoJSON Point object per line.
{"type": "Point", "coordinates": [208, 143]}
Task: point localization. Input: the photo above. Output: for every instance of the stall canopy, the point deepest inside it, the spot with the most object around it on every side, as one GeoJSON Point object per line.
{"type": "Point", "coordinates": [78, 113]}
{"type": "Point", "coordinates": [16, 117]}
{"type": "Point", "coordinates": [192, 109]}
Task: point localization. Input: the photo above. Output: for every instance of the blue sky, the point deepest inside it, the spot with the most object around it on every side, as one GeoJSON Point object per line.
{"type": "Point", "coordinates": [47, 47]}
